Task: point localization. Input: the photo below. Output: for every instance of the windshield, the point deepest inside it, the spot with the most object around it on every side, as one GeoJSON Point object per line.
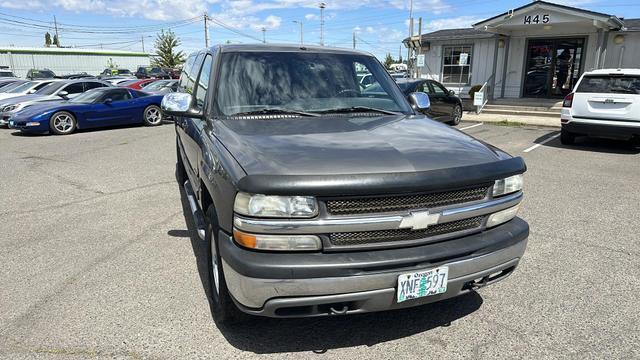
{"type": "Point", "coordinates": [302, 82]}
{"type": "Point", "coordinates": [51, 88]}
{"type": "Point", "coordinates": [607, 84]}
{"type": "Point", "coordinates": [89, 97]}
{"type": "Point", "coordinates": [157, 85]}
{"type": "Point", "coordinates": [42, 74]}
{"type": "Point", "coordinates": [11, 86]}
{"type": "Point", "coordinates": [22, 88]}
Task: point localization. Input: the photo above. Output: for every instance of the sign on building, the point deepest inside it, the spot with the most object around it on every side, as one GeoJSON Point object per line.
{"type": "Point", "coordinates": [478, 98]}
{"type": "Point", "coordinates": [464, 57]}
{"type": "Point", "coordinates": [420, 60]}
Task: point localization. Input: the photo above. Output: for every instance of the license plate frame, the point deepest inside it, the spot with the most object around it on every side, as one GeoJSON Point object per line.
{"type": "Point", "coordinates": [419, 284]}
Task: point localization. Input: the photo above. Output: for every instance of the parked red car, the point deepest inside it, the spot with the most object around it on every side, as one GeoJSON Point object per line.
{"type": "Point", "coordinates": [137, 84]}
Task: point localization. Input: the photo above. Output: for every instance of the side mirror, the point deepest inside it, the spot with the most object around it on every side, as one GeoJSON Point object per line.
{"type": "Point", "coordinates": [32, 91]}
{"type": "Point", "coordinates": [452, 93]}
{"type": "Point", "coordinates": [178, 104]}
{"type": "Point", "coordinates": [419, 101]}
{"type": "Point", "coordinates": [108, 101]}
{"type": "Point", "coordinates": [63, 94]}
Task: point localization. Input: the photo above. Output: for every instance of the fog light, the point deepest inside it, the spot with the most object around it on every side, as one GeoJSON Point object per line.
{"type": "Point", "coordinates": [502, 216]}
{"type": "Point", "coordinates": [32, 124]}
{"type": "Point", "coordinates": [277, 242]}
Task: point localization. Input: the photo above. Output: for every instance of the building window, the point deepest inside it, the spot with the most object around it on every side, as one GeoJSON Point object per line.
{"type": "Point", "coordinates": [452, 71]}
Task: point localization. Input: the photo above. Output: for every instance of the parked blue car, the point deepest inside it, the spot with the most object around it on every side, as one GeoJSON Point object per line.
{"type": "Point", "coordinates": [94, 108]}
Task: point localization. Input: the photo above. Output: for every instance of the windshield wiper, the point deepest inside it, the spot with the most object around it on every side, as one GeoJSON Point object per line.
{"type": "Point", "coordinates": [275, 111]}
{"type": "Point", "coordinates": [360, 109]}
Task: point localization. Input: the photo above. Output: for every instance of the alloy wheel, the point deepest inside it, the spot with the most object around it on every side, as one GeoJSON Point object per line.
{"type": "Point", "coordinates": [153, 115]}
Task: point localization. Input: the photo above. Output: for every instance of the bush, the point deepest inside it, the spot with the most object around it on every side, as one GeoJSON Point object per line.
{"type": "Point", "coordinates": [474, 89]}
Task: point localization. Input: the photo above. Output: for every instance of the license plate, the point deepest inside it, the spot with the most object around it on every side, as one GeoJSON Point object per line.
{"type": "Point", "coordinates": [422, 283]}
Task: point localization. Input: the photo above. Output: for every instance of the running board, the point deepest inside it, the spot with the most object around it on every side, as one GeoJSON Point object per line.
{"type": "Point", "coordinates": [198, 216]}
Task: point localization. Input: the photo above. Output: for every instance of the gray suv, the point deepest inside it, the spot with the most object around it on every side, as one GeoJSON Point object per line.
{"type": "Point", "coordinates": [317, 198]}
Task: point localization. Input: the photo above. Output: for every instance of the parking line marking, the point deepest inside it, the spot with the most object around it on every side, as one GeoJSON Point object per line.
{"type": "Point", "coordinates": [470, 126]}
{"type": "Point", "coordinates": [541, 143]}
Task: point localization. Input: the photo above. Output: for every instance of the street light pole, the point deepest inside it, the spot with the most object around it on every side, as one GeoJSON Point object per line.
{"type": "Point", "coordinates": [264, 35]}
{"type": "Point", "coordinates": [301, 31]}
{"type": "Point", "coordinates": [322, 7]}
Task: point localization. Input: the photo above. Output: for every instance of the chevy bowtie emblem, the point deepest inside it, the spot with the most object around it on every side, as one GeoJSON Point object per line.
{"type": "Point", "coordinates": [417, 220]}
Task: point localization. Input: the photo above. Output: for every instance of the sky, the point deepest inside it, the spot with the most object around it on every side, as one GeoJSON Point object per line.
{"type": "Point", "coordinates": [379, 25]}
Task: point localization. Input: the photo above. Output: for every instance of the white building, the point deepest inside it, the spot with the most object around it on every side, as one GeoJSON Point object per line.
{"type": "Point", "coordinates": [63, 61]}
{"type": "Point", "coordinates": [537, 50]}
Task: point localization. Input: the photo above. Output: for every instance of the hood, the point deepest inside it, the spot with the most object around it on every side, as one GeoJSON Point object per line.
{"type": "Point", "coordinates": [39, 108]}
{"type": "Point", "coordinates": [21, 99]}
{"type": "Point", "coordinates": [350, 145]}
{"type": "Point", "coordinates": [4, 96]}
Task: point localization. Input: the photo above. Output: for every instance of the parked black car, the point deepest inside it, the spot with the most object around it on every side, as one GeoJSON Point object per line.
{"type": "Point", "coordinates": [36, 74]}
{"type": "Point", "coordinates": [445, 105]}
{"type": "Point", "coordinates": [316, 198]}
{"type": "Point", "coordinates": [145, 72]}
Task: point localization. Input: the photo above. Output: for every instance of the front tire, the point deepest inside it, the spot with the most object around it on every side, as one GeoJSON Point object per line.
{"type": "Point", "coordinates": [567, 137]}
{"type": "Point", "coordinates": [224, 310]}
{"type": "Point", "coordinates": [456, 115]}
{"type": "Point", "coordinates": [62, 123]}
{"type": "Point", "coordinates": [152, 115]}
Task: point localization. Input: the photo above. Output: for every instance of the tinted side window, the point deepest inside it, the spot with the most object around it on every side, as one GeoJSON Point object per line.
{"type": "Point", "coordinates": [75, 88]}
{"type": "Point", "coordinates": [203, 82]}
{"type": "Point", "coordinates": [189, 73]}
{"type": "Point", "coordinates": [40, 86]}
{"type": "Point", "coordinates": [437, 89]}
{"type": "Point", "coordinates": [119, 95]}
{"type": "Point", "coordinates": [93, 85]}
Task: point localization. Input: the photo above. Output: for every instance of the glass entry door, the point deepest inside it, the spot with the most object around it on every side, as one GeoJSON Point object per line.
{"type": "Point", "coordinates": [553, 66]}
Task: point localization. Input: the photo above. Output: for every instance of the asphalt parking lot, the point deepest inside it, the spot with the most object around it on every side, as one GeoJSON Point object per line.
{"type": "Point", "coordinates": [98, 261]}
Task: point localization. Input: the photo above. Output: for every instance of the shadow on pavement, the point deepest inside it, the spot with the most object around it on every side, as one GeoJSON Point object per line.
{"type": "Point", "coordinates": [606, 146]}
{"type": "Point", "coordinates": [266, 335]}
{"type": "Point", "coordinates": [89, 130]}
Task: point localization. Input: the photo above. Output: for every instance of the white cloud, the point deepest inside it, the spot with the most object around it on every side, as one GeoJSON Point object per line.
{"type": "Point", "coordinates": [311, 17]}
{"type": "Point", "coordinates": [271, 22]}
{"type": "Point", "coordinates": [370, 29]}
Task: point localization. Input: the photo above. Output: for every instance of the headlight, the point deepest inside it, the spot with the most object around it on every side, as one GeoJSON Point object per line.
{"type": "Point", "coordinates": [502, 216]}
{"type": "Point", "coordinates": [277, 242]}
{"type": "Point", "coordinates": [275, 206]}
{"type": "Point", "coordinates": [508, 185]}
{"type": "Point", "coordinates": [9, 108]}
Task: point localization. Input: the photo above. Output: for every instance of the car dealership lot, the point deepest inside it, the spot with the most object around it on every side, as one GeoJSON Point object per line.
{"type": "Point", "coordinates": [98, 261]}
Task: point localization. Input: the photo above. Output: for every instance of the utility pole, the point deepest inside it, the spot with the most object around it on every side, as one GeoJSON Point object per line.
{"type": "Point", "coordinates": [322, 7]}
{"type": "Point", "coordinates": [410, 32]}
{"type": "Point", "coordinates": [55, 24]}
{"type": "Point", "coordinates": [301, 31]}
{"type": "Point", "coordinates": [354, 39]}
{"type": "Point", "coordinates": [264, 35]}
{"type": "Point", "coordinates": [205, 17]}
{"type": "Point", "coordinates": [420, 42]}
{"type": "Point", "coordinates": [142, 38]}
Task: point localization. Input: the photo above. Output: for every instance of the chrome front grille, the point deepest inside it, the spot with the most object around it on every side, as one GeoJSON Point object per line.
{"type": "Point", "coordinates": [382, 204]}
{"type": "Point", "coordinates": [394, 235]}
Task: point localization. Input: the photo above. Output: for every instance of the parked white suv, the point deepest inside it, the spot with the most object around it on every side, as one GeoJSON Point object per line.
{"type": "Point", "coordinates": [604, 103]}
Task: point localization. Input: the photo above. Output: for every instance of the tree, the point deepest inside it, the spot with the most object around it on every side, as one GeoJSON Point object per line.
{"type": "Point", "coordinates": [388, 60]}
{"type": "Point", "coordinates": [111, 64]}
{"type": "Point", "coordinates": [166, 55]}
{"type": "Point", "coordinates": [56, 42]}
{"type": "Point", "coordinates": [47, 39]}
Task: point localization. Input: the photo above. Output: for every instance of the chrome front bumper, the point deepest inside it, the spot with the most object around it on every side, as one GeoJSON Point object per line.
{"type": "Point", "coordinates": [358, 294]}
